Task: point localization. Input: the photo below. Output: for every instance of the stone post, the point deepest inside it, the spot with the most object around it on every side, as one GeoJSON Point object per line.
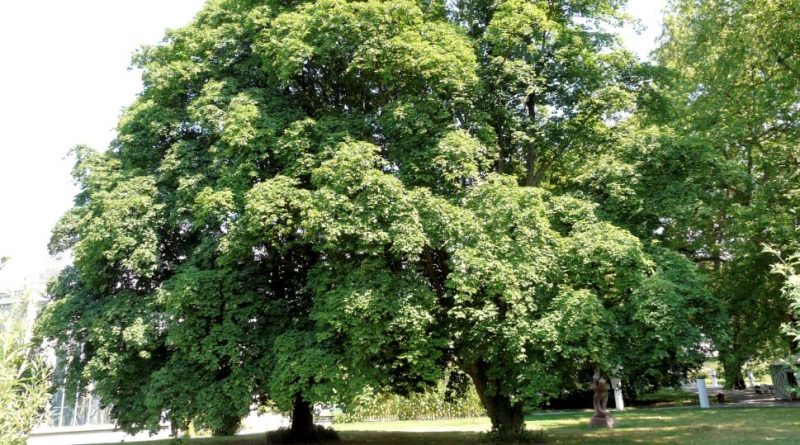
{"type": "Point", "coordinates": [701, 392]}
{"type": "Point", "coordinates": [618, 402]}
{"type": "Point", "coordinates": [750, 377]}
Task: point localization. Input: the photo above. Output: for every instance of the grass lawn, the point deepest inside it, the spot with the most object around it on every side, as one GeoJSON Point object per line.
{"type": "Point", "coordinates": [648, 426]}
{"type": "Point", "coordinates": [669, 397]}
{"type": "Point", "coordinates": [778, 425]}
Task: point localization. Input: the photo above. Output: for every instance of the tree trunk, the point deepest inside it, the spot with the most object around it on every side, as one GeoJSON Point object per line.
{"type": "Point", "coordinates": [530, 150]}
{"type": "Point", "coordinates": [530, 166]}
{"type": "Point", "coordinates": [508, 421]}
{"type": "Point", "coordinates": [734, 378]}
{"type": "Point", "coordinates": [230, 426]}
{"type": "Point", "coordinates": [507, 418]}
{"type": "Point", "coordinates": [302, 429]}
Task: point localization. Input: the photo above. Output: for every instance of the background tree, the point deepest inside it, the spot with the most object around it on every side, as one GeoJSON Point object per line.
{"type": "Point", "coordinates": [736, 113]}
{"type": "Point", "coordinates": [709, 166]}
{"type": "Point", "coordinates": [312, 198]}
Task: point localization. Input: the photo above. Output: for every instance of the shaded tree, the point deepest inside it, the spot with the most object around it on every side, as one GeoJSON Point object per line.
{"type": "Point", "coordinates": [736, 116]}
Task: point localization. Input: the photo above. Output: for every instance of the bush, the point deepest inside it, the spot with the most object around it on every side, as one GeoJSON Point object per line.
{"type": "Point", "coordinates": [24, 381]}
{"type": "Point", "coordinates": [437, 403]}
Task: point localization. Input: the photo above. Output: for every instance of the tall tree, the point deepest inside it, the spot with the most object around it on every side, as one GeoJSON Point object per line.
{"type": "Point", "coordinates": [711, 169]}
{"type": "Point", "coordinates": [740, 76]}
{"type": "Point", "coordinates": [312, 197]}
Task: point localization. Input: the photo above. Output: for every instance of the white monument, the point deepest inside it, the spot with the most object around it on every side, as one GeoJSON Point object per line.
{"type": "Point", "coordinates": [702, 393]}
{"type": "Point", "coordinates": [617, 385]}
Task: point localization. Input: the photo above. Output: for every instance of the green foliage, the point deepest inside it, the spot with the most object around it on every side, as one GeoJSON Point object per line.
{"type": "Point", "coordinates": [24, 379]}
{"type": "Point", "coordinates": [552, 78]}
{"type": "Point", "coordinates": [714, 161]}
{"type": "Point", "coordinates": [439, 402]}
{"type": "Point", "coordinates": [789, 269]}
{"type": "Point", "coordinates": [708, 166]}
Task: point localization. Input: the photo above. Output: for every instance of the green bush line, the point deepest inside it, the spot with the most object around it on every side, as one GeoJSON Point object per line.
{"type": "Point", "coordinates": [429, 405]}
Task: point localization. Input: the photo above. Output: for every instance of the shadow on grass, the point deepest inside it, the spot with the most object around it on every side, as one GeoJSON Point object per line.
{"type": "Point", "coordinates": [405, 438]}
{"type": "Point", "coordinates": [707, 427]}
{"type": "Point", "coordinates": [736, 426]}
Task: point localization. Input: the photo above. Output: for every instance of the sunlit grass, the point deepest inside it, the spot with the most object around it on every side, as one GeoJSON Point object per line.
{"type": "Point", "coordinates": [776, 425]}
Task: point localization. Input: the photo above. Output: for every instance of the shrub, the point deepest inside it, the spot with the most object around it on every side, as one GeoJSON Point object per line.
{"type": "Point", "coordinates": [24, 381]}
{"type": "Point", "coordinates": [437, 403]}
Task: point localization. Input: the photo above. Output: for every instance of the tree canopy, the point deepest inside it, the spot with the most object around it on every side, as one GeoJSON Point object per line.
{"type": "Point", "coordinates": [709, 166]}
{"type": "Point", "coordinates": [311, 198]}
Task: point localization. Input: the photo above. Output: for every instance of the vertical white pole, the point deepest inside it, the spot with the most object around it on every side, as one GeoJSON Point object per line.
{"type": "Point", "coordinates": [75, 410]}
{"type": "Point", "coordinates": [701, 392]}
{"type": "Point", "coordinates": [714, 378]}
{"type": "Point", "coordinates": [61, 410]}
{"type": "Point", "coordinates": [750, 377]}
{"type": "Point", "coordinates": [619, 403]}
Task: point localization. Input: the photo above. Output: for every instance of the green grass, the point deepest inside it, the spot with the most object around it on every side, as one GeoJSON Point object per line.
{"type": "Point", "coordinates": [642, 426]}
{"type": "Point", "coordinates": [668, 397]}
{"type": "Point", "coordinates": [638, 426]}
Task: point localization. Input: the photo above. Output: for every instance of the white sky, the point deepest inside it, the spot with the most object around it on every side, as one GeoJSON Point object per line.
{"type": "Point", "coordinates": [64, 79]}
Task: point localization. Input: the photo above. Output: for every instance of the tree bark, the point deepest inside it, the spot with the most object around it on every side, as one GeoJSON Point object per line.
{"type": "Point", "coordinates": [530, 150]}
{"type": "Point", "coordinates": [734, 378]}
{"type": "Point", "coordinates": [530, 166]}
{"type": "Point", "coordinates": [508, 420]}
{"type": "Point", "coordinates": [230, 425]}
{"type": "Point", "coordinates": [302, 429]}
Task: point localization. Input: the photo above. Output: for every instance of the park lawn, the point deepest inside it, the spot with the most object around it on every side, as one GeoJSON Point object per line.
{"type": "Point", "coordinates": [636, 426]}
{"type": "Point", "coordinates": [668, 397]}
{"type": "Point", "coordinates": [778, 425]}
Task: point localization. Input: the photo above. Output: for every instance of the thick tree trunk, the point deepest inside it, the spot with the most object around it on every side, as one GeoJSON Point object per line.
{"type": "Point", "coordinates": [302, 429]}
{"type": "Point", "coordinates": [508, 420]}
{"type": "Point", "coordinates": [734, 378]}
{"type": "Point", "coordinates": [230, 425]}
{"type": "Point", "coordinates": [530, 166]}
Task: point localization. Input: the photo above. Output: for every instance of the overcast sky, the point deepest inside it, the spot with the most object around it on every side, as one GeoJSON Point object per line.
{"type": "Point", "coordinates": [64, 79]}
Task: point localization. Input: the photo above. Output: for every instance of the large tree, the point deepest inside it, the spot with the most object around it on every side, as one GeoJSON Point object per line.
{"type": "Point", "coordinates": [309, 198]}
{"type": "Point", "coordinates": [709, 165]}
{"type": "Point", "coordinates": [731, 161]}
